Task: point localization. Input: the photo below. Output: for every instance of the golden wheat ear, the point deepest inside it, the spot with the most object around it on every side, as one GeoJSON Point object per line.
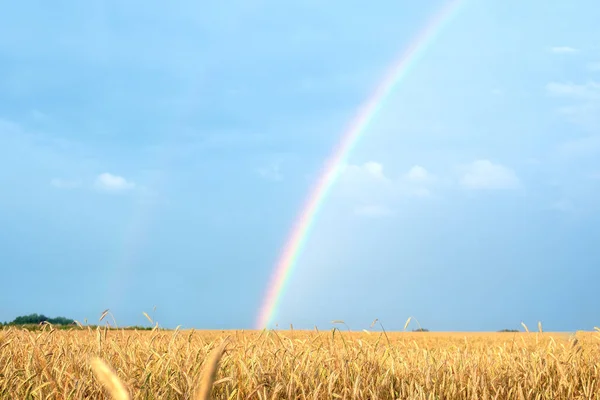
{"type": "Point", "coordinates": [210, 372]}
{"type": "Point", "coordinates": [108, 378]}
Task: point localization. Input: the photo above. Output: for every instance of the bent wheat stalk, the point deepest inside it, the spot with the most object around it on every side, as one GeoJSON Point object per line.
{"type": "Point", "coordinates": [109, 380]}
{"type": "Point", "coordinates": [209, 373]}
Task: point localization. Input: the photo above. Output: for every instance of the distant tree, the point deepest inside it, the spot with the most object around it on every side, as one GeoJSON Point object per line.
{"type": "Point", "coordinates": [420, 330]}
{"type": "Point", "coordinates": [61, 321]}
{"type": "Point", "coordinates": [509, 330]}
{"type": "Point", "coordinates": [39, 318]}
{"type": "Point", "coordinates": [29, 319]}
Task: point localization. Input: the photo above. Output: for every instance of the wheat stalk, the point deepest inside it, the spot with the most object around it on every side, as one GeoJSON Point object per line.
{"type": "Point", "coordinates": [210, 372]}
{"type": "Point", "coordinates": [109, 379]}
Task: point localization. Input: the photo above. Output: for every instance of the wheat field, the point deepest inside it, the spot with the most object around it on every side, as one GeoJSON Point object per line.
{"type": "Point", "coordinates": [157, 364]}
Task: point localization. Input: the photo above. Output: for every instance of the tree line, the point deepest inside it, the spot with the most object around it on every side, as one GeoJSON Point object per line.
{"type": "Point", "coordinates": [36, 319]}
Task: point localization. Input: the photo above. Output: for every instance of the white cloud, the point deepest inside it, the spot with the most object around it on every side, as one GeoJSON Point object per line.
{"type": "Point", "coordinates": [581, 147]}
{"type": "Point", "coordinates": [365, 184]}
{"type": "Point", "coordinates": [585, 111]}
{"type": "Point", "coordinates": [416, 182]}
{"type": "Point", "coordinates": [418, 174]}
{"type": "Point", "coordinates": [483, 174]}
{"type": "Point", "coordinates": [372, 174]}
{"type": "Point", "coordinates": [374, 168]}
{"type": "Point", "coordinates": [110, 182]}
{"type": "Point", "coordinates": [64, 184]}
{"type": "Point", "coordinates": [370, 170]}
{"type": "Point", "coordinates": [586, 91]}
{"type": "Point", "coordinates": [563, 50]}
{"type": "Point", "coordinates": [586, 115]}
{"type": "Point", "coordinates": [366, 190]}
{"type": "Point", "coordinates": [372, 193]}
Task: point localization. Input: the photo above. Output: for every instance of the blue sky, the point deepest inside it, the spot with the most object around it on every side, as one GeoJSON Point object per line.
{"type": "Point", "coordinates": [157, 155]}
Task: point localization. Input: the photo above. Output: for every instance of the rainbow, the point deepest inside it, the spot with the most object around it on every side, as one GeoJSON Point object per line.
{"type": "Point", "coordinates": [334, 165]}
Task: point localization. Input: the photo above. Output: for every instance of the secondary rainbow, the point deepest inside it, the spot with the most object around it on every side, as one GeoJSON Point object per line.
{"type": "Point", "coordinates": [300, 232]}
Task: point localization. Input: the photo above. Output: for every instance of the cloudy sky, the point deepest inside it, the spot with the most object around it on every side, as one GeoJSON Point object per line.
{"type": "Point", "coordinates": [157, 155]}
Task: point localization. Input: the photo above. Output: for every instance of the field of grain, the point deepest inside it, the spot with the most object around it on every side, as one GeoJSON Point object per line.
{"type": "Point", "coordinates": [298, 364]}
